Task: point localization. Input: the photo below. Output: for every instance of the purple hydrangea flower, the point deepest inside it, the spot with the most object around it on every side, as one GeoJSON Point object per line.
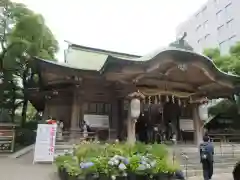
{"type": "Point", "coordinates": [86, 165]}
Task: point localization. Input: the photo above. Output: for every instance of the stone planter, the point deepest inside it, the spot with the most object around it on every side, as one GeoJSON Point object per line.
{"type": "Point", "coordinates": [133, 176]}
{"type": "Point", "coordinates": [63, 175]}
{"type": "Point", "coordinates": [163, 176]}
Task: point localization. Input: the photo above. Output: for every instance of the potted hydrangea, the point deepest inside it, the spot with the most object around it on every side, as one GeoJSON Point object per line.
{"type": "Point", "coordinates": [116, 161]}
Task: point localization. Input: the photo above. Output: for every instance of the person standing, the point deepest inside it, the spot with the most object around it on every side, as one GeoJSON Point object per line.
{"type": "Point", "coordinates": [85, 129]}
{"type": "Point", "coordinates": [206, 157]}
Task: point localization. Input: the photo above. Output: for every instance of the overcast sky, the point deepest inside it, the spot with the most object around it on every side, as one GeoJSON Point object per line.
{"type": "Point", "coordinates": [130, 26]}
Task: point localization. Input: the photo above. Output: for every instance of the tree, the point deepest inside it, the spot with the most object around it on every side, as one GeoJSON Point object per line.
{"type": "Point", "coordinates": [24, 35]}
{"type": "Point", "coordinates": [39, 41]}
{"type": "Point", "coordinates": [230, 64]}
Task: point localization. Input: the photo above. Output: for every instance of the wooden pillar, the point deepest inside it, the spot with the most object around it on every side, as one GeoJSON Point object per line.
{"type": "Point", "coordinates": [46, 111]}
{"type": "Point", "coordinates": [198, 133]}
{"type": "Point", "coordinates": [75, 111]}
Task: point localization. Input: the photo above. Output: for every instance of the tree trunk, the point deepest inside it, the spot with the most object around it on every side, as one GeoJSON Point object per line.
{"type": "Point", "coordinates": [238, 103]}
{"type": "Point", "coordinates": [13, 104]}
{"type": "Point", "coordinates": [24, 111]}
{"type": "Point", "coordinates": [25, 99]}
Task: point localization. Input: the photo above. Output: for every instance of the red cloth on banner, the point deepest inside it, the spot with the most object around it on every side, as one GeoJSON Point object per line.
{"type": "Point", "coordinates": [50, 121]}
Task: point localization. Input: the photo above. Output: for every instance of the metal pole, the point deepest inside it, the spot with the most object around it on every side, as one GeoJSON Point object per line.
{"type": "Point", "coordinates": [186, 164]}
{"type": "Point", "coordinates": [233, 154]}
{"type": "Point", "coordinates": [221, 148]}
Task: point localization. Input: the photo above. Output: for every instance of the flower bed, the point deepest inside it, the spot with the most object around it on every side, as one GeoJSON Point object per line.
{"type": "Point", "coordinates": [116, 161]}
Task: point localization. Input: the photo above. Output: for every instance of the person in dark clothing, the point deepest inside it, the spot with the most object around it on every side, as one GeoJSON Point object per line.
{"type": "Point", "coordinates": [206, 157]}
{"type": "Point", "coordinates": [236, 171]}
{"type": "Point", "coordinates": [141, 129]}
{"type": "Point", "coordinates": [179, 175]}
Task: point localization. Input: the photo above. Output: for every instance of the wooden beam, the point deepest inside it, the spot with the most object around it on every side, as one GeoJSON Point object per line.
{"type": "Point", "coordinates": [167, 82]}
{"type": "Point", "coordinates": [210, 75]}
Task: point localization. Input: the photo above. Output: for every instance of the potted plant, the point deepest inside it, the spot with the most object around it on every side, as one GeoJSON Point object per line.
{"type": "Point", "coordinates": [116, 161]}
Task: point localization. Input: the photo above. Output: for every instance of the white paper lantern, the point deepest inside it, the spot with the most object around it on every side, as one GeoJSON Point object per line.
{"type": "Point", "coordinates": [135, 108]}
{"type": "Point", "coordinates": [203, 112]}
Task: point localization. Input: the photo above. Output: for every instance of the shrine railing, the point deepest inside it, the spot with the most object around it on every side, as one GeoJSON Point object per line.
{"type": "Point", "coordinates": [77, 136]}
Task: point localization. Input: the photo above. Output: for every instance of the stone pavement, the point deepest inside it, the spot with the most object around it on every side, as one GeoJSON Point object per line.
{"type": "Point", "coordinates": [222, 176]}
{"type": "Point", "coordinates": [23, 169]}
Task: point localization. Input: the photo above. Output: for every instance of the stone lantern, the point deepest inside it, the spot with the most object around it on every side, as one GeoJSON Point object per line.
{"type": "Point", "coordinates": [133, 114]}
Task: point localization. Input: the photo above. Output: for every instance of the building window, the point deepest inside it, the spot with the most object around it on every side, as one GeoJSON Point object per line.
{"type": "Point", "coordinates": [207, 36]}
{"type": "Point", "coordinates": [197, 15]}
{"type": "Point", "coordinates": [198, 27]}
{"type": "Point", "coordinates": [205, 24]}
{"type": "Point", "coordinates": [232, 40]}
{"type": "Point", "coordinates": [98, 108]}
{"type": "Point", "coordinates": [204, 9]}
{"type": "Point", "coordinates": [220, 30]}
{"type": "Point", "coordinates": [219, 15]}
{"type": "Point", "coordinates": [230, 24]}
{"type": "Point", "coordinates": [224, 47]}
{"type": "Point", "coordinates": [228, 10]}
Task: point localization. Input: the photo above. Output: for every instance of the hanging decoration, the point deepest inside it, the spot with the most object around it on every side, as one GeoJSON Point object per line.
{"type": "Point", "coordinates": [159, 99]}
{"type": "Point", "coordinates": [149, 100]}
{"type": "Point", "coordinates": [179, 102]}
{"type": "Point", "coordinates": [181, 98]}
{"type": "Point", "coordinates": [156, 101]}
{"type": "Point", "coordinates": [173, 99]}
{"type": "Point", "coordinates": [184, 104]}
{"type": "Point", "coordinates": [190, 99]}
{"type": "Point", "coordinates": [167, 99]}
{"type": "Point", "coordinates": [155, 92]}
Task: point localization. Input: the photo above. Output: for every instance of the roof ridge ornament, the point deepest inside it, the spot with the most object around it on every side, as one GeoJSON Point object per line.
{"type": "Point", "coordinates": [181, 43]}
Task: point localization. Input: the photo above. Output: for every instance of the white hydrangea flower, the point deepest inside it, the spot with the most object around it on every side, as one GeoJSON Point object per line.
{"type": "Point", "coordinates": [148, 166]}
{"type": "Point", "coordinates": [122, 166]}
{"type": "Point", "coordinates": [141, 167]}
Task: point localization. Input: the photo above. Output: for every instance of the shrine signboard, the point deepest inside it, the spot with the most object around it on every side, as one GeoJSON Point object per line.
{"type": "Point", "coordinates": [7, 138]}
{"type": "Point", "coordinates": [45, 143]}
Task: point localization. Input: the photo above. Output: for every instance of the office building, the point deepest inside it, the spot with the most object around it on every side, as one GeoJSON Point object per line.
{"type": "Point", "coordinates": [215, 24]}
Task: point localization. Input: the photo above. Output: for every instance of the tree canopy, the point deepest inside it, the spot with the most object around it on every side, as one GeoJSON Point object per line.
{"type": "Point", "coordinates": [23, 35]}
{"type": "Point", "coordinates": [229, 63]}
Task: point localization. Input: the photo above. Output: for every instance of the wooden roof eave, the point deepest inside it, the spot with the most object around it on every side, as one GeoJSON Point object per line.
{"type": "Point", "coordinates": [62, 67]}
{"type": "Point", "coordinates": [148, 64]}
{"type": "Point", "coordinates": [45, 66]}
{"type": "Point", "coordinates": [152, 62]}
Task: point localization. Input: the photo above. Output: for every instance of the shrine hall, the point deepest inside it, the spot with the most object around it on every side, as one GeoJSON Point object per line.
{"type": "Point", "coordinates": [95, 86]}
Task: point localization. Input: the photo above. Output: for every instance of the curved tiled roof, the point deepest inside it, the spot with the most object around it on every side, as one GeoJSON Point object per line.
{"type": "Point", "coordinates": [179, 55]}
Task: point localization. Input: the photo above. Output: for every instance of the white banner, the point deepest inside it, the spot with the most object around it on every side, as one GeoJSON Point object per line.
{"type": "Point", "coordinates": [45, 143]}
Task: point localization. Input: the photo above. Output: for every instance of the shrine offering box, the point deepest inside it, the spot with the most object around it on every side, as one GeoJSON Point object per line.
{"type": "Point", "coordinates": [7, 137]}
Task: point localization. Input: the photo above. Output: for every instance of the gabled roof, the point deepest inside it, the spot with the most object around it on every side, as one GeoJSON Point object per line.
{"type": "Point", "coordinates": [116, 63]}
{"type": "Point", "coordinates": [98, 50]}
{"type": "Point", "coordinates": [156, 69]}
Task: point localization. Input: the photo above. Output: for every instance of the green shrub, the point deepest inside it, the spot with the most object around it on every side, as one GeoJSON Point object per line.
{"type": "Point", "coordinates": [31, 125]}
{"type": "Point", "coordinates": [118, 159]}
{"type": "Point", "coordinates": [25, 137]}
